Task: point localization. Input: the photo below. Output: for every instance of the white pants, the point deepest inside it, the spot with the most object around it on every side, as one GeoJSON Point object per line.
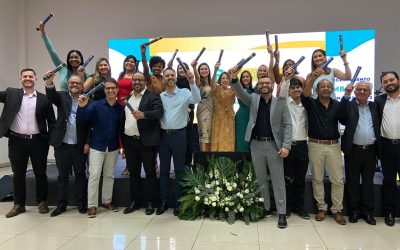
{"type": "Point", "coordinates": [99, 162]}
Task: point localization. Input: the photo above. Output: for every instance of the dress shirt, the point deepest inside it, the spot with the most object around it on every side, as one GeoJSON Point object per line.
{"type": "Point", "coordinates": [131, 127]}
{"type": "Point", "coordinates": [299, 120]}
{"type": "Point", "coordinates": [364, 134]}
{"type": "Point", "coordinates": [105, 121]}
{"type": "Point", "coordinates": [390, 127]}
{"type": "Point", "coordinates": [25, 120]}
{"type": "Point", "coordinates": [175, 106]}
{"type": "Point", "coordinates": [70, 133]}
{"type": "Point", "coordinates": [262, 128]}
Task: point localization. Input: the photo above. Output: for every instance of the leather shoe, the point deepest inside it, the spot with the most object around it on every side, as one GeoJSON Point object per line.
{"type": "Point", "coordinates": [59, 210]}
{"type": "Point", "coordinates": [303, 214]}
{"type": "Point", "coordinates": [43, 208]}
{"type": "Point", "coordinates": [16, 210]}
{"type": "Point", "coordinates": [161, 209]}
{"type": "Point", "coordinates": [369, 219]}
{"type": "Point", "coordinates": [339, 218]}
{"type": "Point", "coordinates": [82, 209]}
{"type": "Point", "coordinates": [176, 210]}
{"type": "Point", "coordinates": [282, 221]}
{"type": "Point", "coordinates": [132, 208]}
{"type": "Point", "coordinates": [92, 212]}
{"type": "Point", "coordinates": [353, 218]}
{"type": "Point", "coordinates": [389, 220]}
{"type": "Point", "coordinates": [110, 207]}
{"type": "Point", "coordinates": [149, 208]}
{"type": "Point", "coordinates": [320, 216]}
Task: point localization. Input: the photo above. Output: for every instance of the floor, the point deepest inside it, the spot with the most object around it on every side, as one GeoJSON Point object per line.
{"type": "Point", "coordinates": [110, 230]}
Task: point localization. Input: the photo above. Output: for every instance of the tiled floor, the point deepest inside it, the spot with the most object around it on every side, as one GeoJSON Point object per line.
{"type": "Point", "coordinates": [109, 230]}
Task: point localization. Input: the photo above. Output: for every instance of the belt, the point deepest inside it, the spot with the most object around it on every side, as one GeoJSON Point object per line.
{"type": "Point", "coordinates": [364, 147]}
{"type": "Point", "coordinates": [392, 141]}
{"type": "Point", "coordinates": [295, 143]}
{"type": "Point", "coordinates": [171, 131]}
{"type": "Point", "coordinates": [23, 136]}
{"type": "Point", "coordinates": [325, 142]}
{"type": "Point", "coordinates": [259, 138]}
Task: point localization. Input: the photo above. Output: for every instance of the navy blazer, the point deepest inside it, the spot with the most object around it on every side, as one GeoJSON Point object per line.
{"type": "Point", "coordinates": [12, 99]}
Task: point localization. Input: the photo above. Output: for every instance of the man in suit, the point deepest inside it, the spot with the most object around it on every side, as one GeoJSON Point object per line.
{"type": "Point", "coordinates": [269, 132]}
{"type": "Point", "coordinates": [388, 111]}
{"type": "Point", "coordinates": [140, 138]}
{"type": "Point", "coordinates": [26, 119]}
{"type": "Point", "coordinates": [68, 138]}
{"type": "Point", "coordinates": [359, 145]}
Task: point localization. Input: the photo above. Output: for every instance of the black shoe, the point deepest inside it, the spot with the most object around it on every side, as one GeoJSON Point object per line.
{"type": "Point", "coordinates": [267, 213]}
{"type": "Point", "coordinates": [303, 214]}
{"type": "Point", "coordinates": [370, 219]}
{"type": "Point", "coordinates": [82, 209]}
{"type": "Point", "coordinates": [149, 208]}
{"type": "Point", "coordinates": [161, 209]}
{"type": "Point", "coordinates": [282, 221]}
{"type": "Point", "coordinates": [59, 210]}
{"type": "Point", "coordinates": [132, 208]}
{"type": "Point", "coordinates": [353, 218]}
{"type": "Point", "coordinates": [288, 212]}
{"type": "Point", "coordinates": [389, 220]}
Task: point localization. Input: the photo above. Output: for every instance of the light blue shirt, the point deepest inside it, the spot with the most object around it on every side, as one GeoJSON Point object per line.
{"type": "Point", "coordinates": [70, 133]}
{"type": "Point", "coordinates": [364, 134]}
{"type": "Point", "coordinates": [176, 106]}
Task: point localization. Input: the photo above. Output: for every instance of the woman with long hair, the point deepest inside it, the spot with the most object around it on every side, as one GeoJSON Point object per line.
{"type": "Point", "coordinates": [101, 73]}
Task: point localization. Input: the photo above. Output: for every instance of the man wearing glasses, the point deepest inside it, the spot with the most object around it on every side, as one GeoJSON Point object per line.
{"type": "Point", "coordinates": [104, 115]}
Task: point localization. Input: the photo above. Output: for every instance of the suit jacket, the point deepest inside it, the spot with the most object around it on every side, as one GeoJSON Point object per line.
{"type": "Point", "coordinates": [380, 103]}
{"type": "Point", "coordinates": [12, 99]}
{"type": "Point", "coordinates": [350, 114]}
{"type": "Point", "coordinates": [63, 101]}
{"type": "Point", "coordinates": [149, 128]}
{"type": "Point", "coordinates": [281, 122]}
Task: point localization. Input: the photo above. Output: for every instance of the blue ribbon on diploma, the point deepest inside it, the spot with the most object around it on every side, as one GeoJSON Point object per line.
{"type": "Point", "coordinates": [201, 53]}
{"type": "Point", "coordinates": [298, 62]}
{"type": "Point", "coordinates": [182, 65]}
{"type": "Point", "coordinates": [86, 63]}
{"type": "Point", "coordinates": [244, 61]}
{"type": "Point", "coordinates": [95, 89]}
{"type": "Point", "coordinates": [45, 20]}
{"type": "Point", "coordinates": [353, 80]}
{"type": "Point", "coordinates": [127, 104]}
{"type": "Point", "coordinates": [327, 63]}
{"type": "Point", "coordinates": [59, 67]}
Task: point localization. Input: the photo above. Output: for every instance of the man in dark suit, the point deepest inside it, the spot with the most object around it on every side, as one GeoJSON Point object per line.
{"type": "Point", "coordinates": [68, 138]}
{"type": "Point", "coordinates": [26, 117]}
{"type": "Point", "coordinates": [140, 138]}
{"type": "Point", "coordinates": [388, 110]}
{"type": "Point", "coordinates": [359, 145]}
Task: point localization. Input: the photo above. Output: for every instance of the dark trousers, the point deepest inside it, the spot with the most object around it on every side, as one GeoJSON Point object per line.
{"type": "Point", "coordinates": [360, 162]}
{"type": "Point", "coordinates": [19, 151]}
{"type": "Point", "coordinates": [296, 165]}
{"type": "Point", "coordinates": [391, 167]}
{"type": "Point", "coordinates": [172, 144]}
{"type": "Point", "coordinates": [189, 144]}
{"type": "Point", "coordinates": [70, 157]}
{"type": "Point", "coordinates": [136, 154]}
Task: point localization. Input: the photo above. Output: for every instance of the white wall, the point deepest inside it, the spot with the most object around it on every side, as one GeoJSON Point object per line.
{"type": "Point", "coordinates": [88, 24]}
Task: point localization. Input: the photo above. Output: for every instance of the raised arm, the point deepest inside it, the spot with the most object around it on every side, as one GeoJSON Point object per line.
{"type": "Point", "coordinates": [49, 46]}
{"type": "Point", "coordinates": [347, 72]}
{"type": "Point", "coordinates": [146, 70]}
{"type": "Point", "coordinates": [196, 72]}
{"type": "Point", "coordinates": [53, 96]}
{"type": "Point", "coordinates": [271, 64]}
{"type": "Point", "coordinates": [240, 92]}
{"type": "Point", "coordinates": [278, 76]}
{"type": "Point", "coordinates": [195, 97]}
{"type": "Point", "coordinates": [310, 81]}
{"type": "Point", "coordinates": [88, 84]}
{"type": "Point", "coordinates": [213, 85]}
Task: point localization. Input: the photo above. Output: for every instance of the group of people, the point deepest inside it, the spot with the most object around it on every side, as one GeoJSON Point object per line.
{"type": "Point", "coordinates": [143, 114]}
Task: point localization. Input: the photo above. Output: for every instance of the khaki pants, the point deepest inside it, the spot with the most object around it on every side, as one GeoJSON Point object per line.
{"type": "Point", "coordinates": [99, 162]}
{"type": "Point", "coordinates": [328, 156]}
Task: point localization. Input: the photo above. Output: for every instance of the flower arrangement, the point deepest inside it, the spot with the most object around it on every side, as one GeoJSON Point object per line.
{"type": "Point", "coordinates": [221, 192]}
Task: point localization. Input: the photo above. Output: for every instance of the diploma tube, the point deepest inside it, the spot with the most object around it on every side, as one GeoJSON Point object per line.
{"type": "Point", "coordinates": [171, 62]}
{"type": "Point", "coordinates": [153, 41]}
{"type": "Point", "coordinates": [86, 63]}
{"type": "Point", "coordinates": [296, 64]}
{"type": "Point", "coordinates": [353, 80]}
{"type": "Point", "coordinates": [201, 53]}
{"type": "Point", "coordinates": [341, 42]}
{"type": "Point", "coordinates": [276, 42]}
{"type": "Point", "coordinates": [242, 63]}
{"type": "Point", "coordinates": [95, 89]}
{"type": "Point", "coordinates": [128, 105]}
{"type": "Point", "coordinates": [59, 67]}
{"type": "Point", "coordinates": [267, 36]}
{"type": "Point", "coordinates": [45, 20]}
{"type": "Point", "coordinates": [182, 65]}
{"type": "Point", "coordinates": [220, 56]}
{"type": "Point", "coordinates": [327, 63]}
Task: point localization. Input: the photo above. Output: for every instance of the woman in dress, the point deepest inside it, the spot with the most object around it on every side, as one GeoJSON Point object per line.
{"type": "Point", "coordinates": [101, 73]}
{"type": "Point", "coordinates": [125, 78]}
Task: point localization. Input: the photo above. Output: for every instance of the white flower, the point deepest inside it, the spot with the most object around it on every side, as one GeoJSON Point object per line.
{"type": "Point", "coordinates": [226, 209]}
{"type": "Point", "coordinates": [238, 194]}
{"type": "Point", "coordinates": [261, 199]}
{"type": "Point", "coordinates": [229, 188]}
{"type": "Point", "coordinates": [234, 185]}
{"type": "Point", "coordinates": [218, 189]}
{"type": "Point", "coordinates": [196, 191]}
{"type": "Point", "coordinates": [246, 191]}
{"type": "Point", "coordinates": [213, 204]}
{"type": "Point", "coordinates": [213, 198]}
{"type": "Point", "coordinates": [197, 198]}
{"type": "Point", "coordinates": [217, 183]}
{"type": "Point", "coordinates": [208, 186]}
{"type": "Point", "coordinates": [241, 209]}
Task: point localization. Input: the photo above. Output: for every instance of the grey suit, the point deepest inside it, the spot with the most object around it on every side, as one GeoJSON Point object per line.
{"type": "Point", "coordinates": [264, 153]}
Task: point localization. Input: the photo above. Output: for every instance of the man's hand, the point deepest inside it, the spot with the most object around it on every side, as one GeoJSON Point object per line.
{"type": "Point", "coordinates": [83, 101]}
{"type": "Point", "coordinates": [283, 152]}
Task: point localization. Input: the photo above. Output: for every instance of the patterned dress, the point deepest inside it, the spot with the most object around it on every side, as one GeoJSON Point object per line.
{"type": "Point", "coordinates": [205, 114]}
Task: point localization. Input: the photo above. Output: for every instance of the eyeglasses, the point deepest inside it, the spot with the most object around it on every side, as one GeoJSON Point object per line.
{"type": "Point", "coordinates": [110, 88]}
{"type": "Point", "coordinates": [137, 80]}
{"type": "Point", "coordinates": [75, 83]}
